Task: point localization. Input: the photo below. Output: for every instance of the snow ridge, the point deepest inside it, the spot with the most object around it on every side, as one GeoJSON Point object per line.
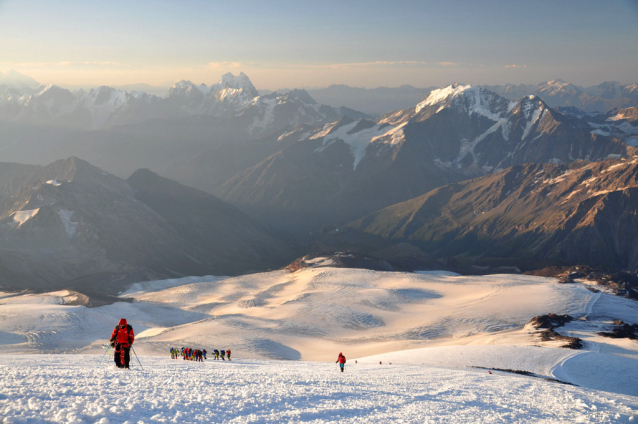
{"type": "Point", "coordinates": [437, 96]}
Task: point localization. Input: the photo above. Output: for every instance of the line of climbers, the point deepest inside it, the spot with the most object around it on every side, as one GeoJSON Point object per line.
{"type": "Point", "coordinates": [122, 339]}
{"type": "Point", "coordinates": [189, 354]}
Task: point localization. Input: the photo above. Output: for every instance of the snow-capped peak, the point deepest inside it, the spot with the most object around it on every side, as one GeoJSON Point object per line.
{"type": "Point", "coordinates": [232, 87]}
{"type": "Point", "coordinates": [237, 90]}
{"type": "Point", "coordinates": [469, 99]}
{"type": "Point", "coordinates": [556, 83]}
{"type": "Point", "coordinates": [18, 80]}
{"type": "Point", "coordinates": [531, 104]}
{"type": "Point", "coordinates": [558, 86]}
{"type": "Point", "coordinates": [240, 81]}
{"type": "Point", "coordinates": [437, 96]}
{"type": "Point", "coordinates": [533, 110]}
{"type": "Point", "coordinates": [185, 86]}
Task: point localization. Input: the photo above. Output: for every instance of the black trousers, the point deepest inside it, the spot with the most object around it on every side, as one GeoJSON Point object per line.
{"type": "Point", "coordinates": [122, 356]}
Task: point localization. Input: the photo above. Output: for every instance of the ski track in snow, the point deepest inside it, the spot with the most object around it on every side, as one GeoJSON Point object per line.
{"type": "Point", "coordinates": [70, 389]}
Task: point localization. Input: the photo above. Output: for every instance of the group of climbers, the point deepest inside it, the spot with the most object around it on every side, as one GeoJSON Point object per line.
{"type": "Point", "coordinates": [122, 339]}
{"type": "Point", "coordinates": [189, 354]}
{"type": "Point", "coordinates": [221, 354]}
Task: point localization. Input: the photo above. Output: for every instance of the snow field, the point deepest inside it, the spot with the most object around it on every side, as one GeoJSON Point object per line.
{"type": "Point", "coordinates": [359, 306]}
{"type": "Point", "coordinates": [430, 319]}
{"type": "Point", "coordinates": [70, 389]}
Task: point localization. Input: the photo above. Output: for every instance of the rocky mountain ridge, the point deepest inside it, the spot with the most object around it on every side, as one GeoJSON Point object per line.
{"type": "Point", "coordinates": [583, 213]}
{"type": "Point", "coordinates": [333, 173]}
{"type": "Point", "coordinates": [599, 98]}
{"type": "Point", "coordinates": [71, 221]}
{"type": "Point", "coordinates": [233, 97]}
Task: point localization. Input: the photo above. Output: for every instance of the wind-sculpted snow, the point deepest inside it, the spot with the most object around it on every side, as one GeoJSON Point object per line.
{"type": "Point", "coordinates": [303, 309]}
{"type": "Point", "coordinates": [70, 389]}
{"type": "Point", "coordinates": [320, 303]}
{"type": "Point", "coordinates": [313, 313]}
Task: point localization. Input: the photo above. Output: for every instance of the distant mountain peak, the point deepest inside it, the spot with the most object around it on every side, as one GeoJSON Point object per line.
{"type": "Point", "coordinates": [470, 99]}
{"type": "Point", "coordinates": [58, 93]}
{"type": "Point", "coordinates": [532, 108]}
{"type": "Point", "coordinates": [237, 82]}
{"type": "Point", "coordinates": [532, 99]}
{"type": "Point", "coordinates": [232, 81]}
{"type": "Point", "coordinates": [240, 83]}
{"type": "Point", "coordinates": [185, 85]}
{"type": "Point", "coordinates": [18, 80]}
{"type": "Point", "coordinates": [73, 164]}
{"type": "Point", "coordinates": [301, 95]}
{"type": "Point", "coordinates": [441, 94]}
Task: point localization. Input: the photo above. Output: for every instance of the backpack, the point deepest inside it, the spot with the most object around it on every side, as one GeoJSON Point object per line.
{"type": "Point", "coordinates": [123, 334]}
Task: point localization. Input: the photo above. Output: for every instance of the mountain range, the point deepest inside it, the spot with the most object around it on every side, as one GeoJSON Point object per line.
{"type": "Point", "coordinates": [70, 223]}
{"type": "Point", "coordinates": [598, 98]}
{"type": "Point", "coordinates": [311, 177]}
{"type": "Point", "coordinates": [378, 101]}
{"type": "Point", "coordinates": [121, 131]}
{"type": "Point", "coordinates": [535, 214]}
{"type": "Point", "coordinates": [218, 177]}
{"type": "Point", "coordinates": [233, 97]}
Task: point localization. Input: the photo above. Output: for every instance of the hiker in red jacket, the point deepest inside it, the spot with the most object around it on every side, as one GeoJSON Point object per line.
{"type": "Point", "coordinates": [122, 338]}
{"type": "Point", "coordinates": [342, 361]}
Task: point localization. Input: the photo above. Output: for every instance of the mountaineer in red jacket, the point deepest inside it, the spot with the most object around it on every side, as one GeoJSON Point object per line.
{"type": "Point", "coordinates": [122, 338]}
{"type": "Point", "coordinates": [342, 361]}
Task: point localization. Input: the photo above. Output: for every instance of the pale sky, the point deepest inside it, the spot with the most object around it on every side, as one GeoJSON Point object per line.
{"type": "Point", "coordinates": [314, 44]}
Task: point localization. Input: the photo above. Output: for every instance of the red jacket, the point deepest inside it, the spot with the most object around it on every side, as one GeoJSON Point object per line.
{"type": "Point", "coordinates": [123, 334]}
{"type": "Point", "coordinates": [341, 359]}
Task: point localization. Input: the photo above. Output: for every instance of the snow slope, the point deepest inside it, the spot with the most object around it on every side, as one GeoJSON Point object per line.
{"type": "Point", "coordinates": [433, 319]}
{"type": "Point", "coordinates": [70, 389]}
{"type": "Point", "coordinates": [304, 315]}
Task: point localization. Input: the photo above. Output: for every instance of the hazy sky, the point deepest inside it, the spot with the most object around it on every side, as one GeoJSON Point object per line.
{"type": "Point", "coordinates": [302, 43]}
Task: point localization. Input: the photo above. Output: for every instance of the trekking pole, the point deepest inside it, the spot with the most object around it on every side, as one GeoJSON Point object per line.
{"type": "Point", "coordinates": [138, 359]}
{"type": "Point", "coordinates": [107, 350]}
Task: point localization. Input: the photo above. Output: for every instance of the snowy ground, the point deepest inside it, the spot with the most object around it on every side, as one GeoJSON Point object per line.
{"type": "Point", "coordinates": [70, 389]}
{"type": "Point", "coordinates": [433, 327]}
{"type": "Point", "coordinates": [305, 315]}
